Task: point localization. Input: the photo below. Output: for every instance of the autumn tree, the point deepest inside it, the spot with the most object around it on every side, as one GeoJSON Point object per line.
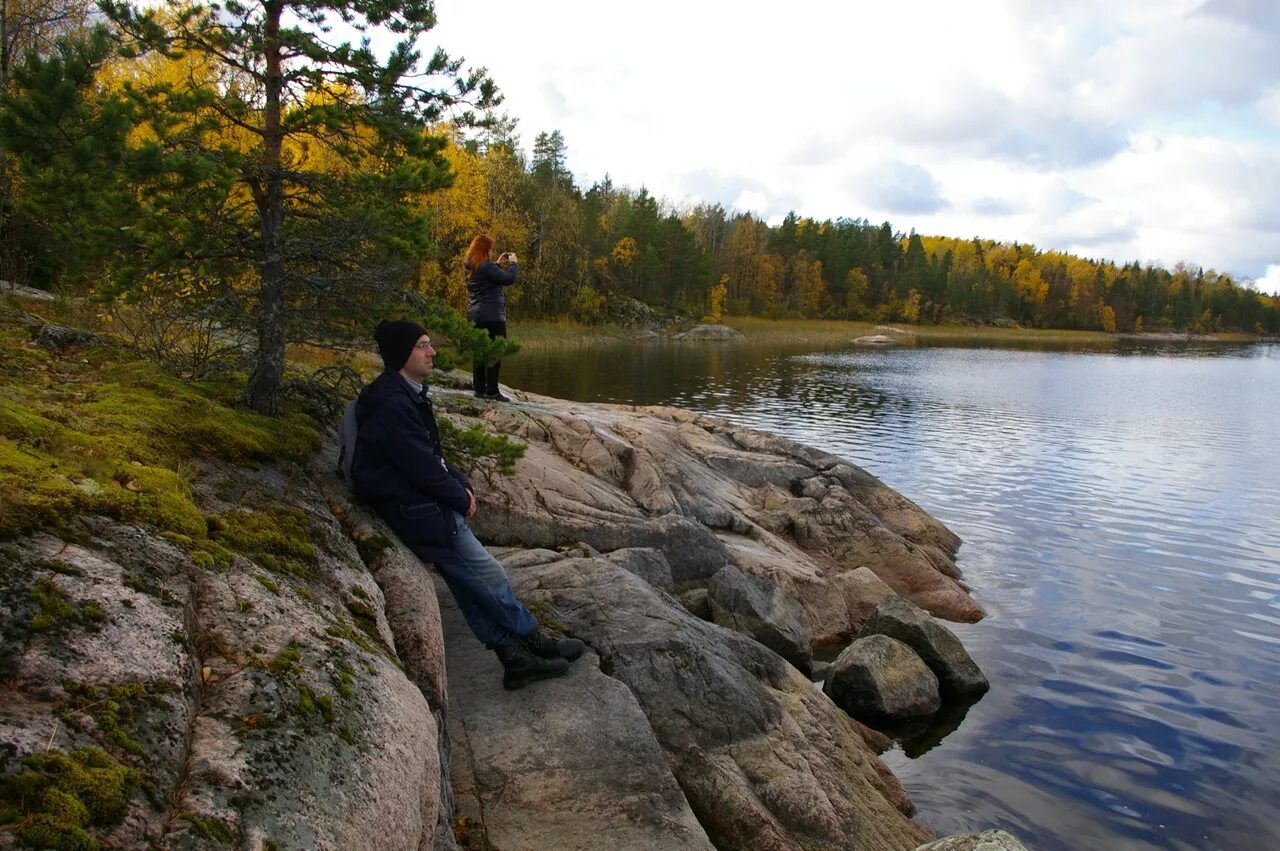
{"type": "Point", "coordinates": [317, 239]}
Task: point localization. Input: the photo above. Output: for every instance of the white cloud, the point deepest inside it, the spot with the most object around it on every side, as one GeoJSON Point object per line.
{"type": "Point", "coordinates": [1147, 130]}
{"type": "Point", "coordinates": [1270, 282]}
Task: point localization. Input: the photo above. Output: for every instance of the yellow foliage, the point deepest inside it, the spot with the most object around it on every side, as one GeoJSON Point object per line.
{"type": "Point", "coordinates": [1028, 284]}
{"type": "Point", "coordinates": [911, 309]}
{"type": "Point", "coordinates": [482, 199]}
{"type": "Point", "coordinates": [1107, 317]}
{"type": "Point", "coordinates": [716, 301]}
{"type": "Point", "coordinates": [625, 252]}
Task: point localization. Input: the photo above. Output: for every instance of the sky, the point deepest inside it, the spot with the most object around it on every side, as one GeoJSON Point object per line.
{"type": "Point", "coordinates": [1116, 129]}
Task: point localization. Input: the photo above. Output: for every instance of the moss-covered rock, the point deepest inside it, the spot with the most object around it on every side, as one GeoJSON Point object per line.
{"type": "Point", "coordinates": [58, 795]}
{"type": "Point", "coordinates": [104, 432]}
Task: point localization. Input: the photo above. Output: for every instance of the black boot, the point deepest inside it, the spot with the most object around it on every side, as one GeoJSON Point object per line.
{"type": "Point", "coordinates": [520, 667]}
{"type": "Point", "coordinates": [547, 647]}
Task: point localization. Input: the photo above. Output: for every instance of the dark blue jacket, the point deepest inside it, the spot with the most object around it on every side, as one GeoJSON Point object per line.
{"type": "Point", "coordinates": [485, 300]}
{"type": "Point", "coordinates": [399, 467]}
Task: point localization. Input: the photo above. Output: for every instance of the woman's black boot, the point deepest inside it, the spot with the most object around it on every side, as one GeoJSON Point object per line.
{"type": "Point", "coordinates": [521, 667]}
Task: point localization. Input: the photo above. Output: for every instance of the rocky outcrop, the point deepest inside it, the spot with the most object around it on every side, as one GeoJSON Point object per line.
{"type": "Point", "coordinates": [988, 840]}
{"type": "Point", "coordinates": [571, 764]}
{"type": "Point", "coordinates": [758, 608]}
{"type": "Point", "coordinates": [717, 333]}
{"type": "Point", "coordinates": [303, 688]}
{"type": "Point", "coordinates": [878, 679]}
{"type": "Point", "coordinates": [257, 699]}
{"type": "Point", "coordinates": [9, 288]}
{"type": "Point", "coordinates": [706, 494]}
{"type": "Point", "coordinates": [765, 760]}
{"type": "Point", "coordinates": [932, 642]}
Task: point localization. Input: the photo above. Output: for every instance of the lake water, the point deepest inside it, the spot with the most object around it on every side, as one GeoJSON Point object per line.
{"type": "Point", "coordinates": [1119, 509]}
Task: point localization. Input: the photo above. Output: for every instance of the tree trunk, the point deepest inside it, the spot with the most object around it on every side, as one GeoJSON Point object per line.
{"type": "Point", "coordinates": [264, 385]}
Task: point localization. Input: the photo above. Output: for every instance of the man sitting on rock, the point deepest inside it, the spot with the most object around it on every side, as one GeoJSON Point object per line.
{"type": "Point", "coordinates": [400, 470]}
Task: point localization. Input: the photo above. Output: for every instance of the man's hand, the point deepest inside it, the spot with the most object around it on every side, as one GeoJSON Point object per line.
{"type": "Point", "coordinates": [471, 509]}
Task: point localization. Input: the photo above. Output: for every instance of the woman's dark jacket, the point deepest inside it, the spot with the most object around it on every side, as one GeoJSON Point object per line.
{"type": "Point", "coordinates": [399, 467]}
{"type": "Point", "coordinates": [486, 301]}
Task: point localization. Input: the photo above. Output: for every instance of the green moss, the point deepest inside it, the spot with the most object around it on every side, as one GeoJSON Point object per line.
{"type": "Point", "coordinates": [544, 613]}
{"type": "Point", "coordinates": [366, 619]}
{"type": "Point", "coordinates": [267, 583]}
{"type": "Point", "coordinates": [64, 807]}
{"type": "Point", "coordinates": [371, 547]}
{"type": "Point", "coordinates": [209, 828]}
{"type": "Point", "coordinates": [91, 613]}
{"type": "Point", "coordinates": [47, 832]}
{"type": "Point", "coordinates": [112, 436]}
{"type": "Point", "coordinates": [58, 795]}
{"type": "Point", "coordinates": [60, 567]}
{"type": "Point", "coordinates": [345, 632]}
{"type": "Point", "coordinates": [55, 613]}
{"type": "Point", "coordinates": [115, 709]}
{"type": "Point", "coordinates": [357, 591]}
{"type": "Point", "coordinates": [243, 605]}
{"type": "Point", "coordinates": [135, 582]}
{"type": "Point", "coordinates": [344, 680]}
{"type": "Point", "coordinates": [274, 537]}
{"type": "Point", "coordinates": [287, 662]}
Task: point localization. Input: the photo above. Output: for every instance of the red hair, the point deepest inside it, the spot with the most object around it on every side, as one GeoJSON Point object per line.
{"type": "Point", "coordinates": [478, 252]}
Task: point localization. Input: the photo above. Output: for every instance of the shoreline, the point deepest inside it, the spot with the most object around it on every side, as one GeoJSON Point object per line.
{"type": "Point", "coordinates": [544, 333]}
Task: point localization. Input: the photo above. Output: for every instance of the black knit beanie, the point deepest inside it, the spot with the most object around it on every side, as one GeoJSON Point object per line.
{"type": "Point", "coordinates": [396, 339]}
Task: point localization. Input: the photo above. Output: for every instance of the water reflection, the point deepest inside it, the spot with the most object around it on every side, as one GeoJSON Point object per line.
{"type": "Point", "coordinates": [1118, 506]}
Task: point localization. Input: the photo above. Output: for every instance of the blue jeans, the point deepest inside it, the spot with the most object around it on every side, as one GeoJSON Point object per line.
{"type": "Point", "coordinates": [480, 587]}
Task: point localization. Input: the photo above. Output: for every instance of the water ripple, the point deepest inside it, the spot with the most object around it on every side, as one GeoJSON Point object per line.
{"type": "Point", "coordinates": [1118, 511]}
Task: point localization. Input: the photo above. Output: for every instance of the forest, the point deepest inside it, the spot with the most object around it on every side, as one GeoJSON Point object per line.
{"type": "Point", "coordinates": [240, 165]}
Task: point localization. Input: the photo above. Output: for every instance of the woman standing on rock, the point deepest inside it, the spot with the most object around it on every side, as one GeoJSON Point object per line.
{"type": "Point", "coordinates": [487, 305]}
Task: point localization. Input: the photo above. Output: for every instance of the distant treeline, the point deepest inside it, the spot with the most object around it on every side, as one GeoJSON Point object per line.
{"type": "Point", "coordinates": [200, 168]}
{"type": "Point", "coordinates": [581, 246]}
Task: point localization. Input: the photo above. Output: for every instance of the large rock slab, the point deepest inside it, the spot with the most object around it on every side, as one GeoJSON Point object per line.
{"type": "Point", "coordinates": [938, 646]}
{"type": "Point", "coordinates": [706, 494]}
{"type": "Point", "coordinates": [766, 760]}
{"type": "Point", "coordinates": [254, 701]}
{"type": "Point", "coordinates": [878, 680]}
{"type": "Point", "coordinates": [569, 763]}
{"type": "Point", "coordinates": [756, 607]}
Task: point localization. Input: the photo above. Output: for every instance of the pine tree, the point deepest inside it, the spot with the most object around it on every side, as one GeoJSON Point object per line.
{"type": "Point", "coordinates": [318, 142]}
